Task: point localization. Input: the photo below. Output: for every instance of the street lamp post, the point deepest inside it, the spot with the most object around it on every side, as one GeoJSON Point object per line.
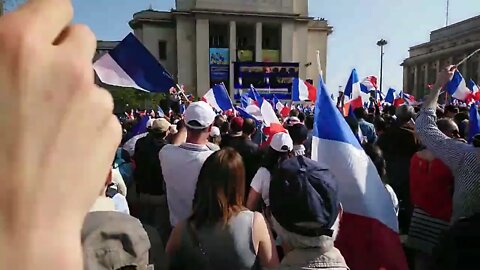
{"type": "Point", "coordinates": [381, 43]}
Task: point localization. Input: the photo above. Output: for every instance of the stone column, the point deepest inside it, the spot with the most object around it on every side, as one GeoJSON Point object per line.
{"type": "Point", "coordinates": [258, 42]}
{"type": "Point", "coordinates": [288, 29]}
{"type": "Point", "coordinates": [415, 80]}
{"type": "Point", "coordinates": [203, 57]}
{"type": "Point", "coordinates": [437, 64]}
{"type": "Point", "coordinates": [406, 71]}
{"type": "Point", "coordinates": [233, 56]}
{"type": "Point", "coordinates": [425, 79]}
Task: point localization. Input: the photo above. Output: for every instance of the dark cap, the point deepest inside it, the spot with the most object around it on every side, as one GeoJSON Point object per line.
{"type": "Point", "coordinates": [298, 132]}
{"type": "Point", "coordinates": [304, 197]}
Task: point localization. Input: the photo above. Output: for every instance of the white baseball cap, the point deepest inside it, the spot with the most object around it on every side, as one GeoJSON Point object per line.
{"type": "Point", "coordinates": [281, 142]}
{"type": "Point", "coordinates": [215, 132]}
{"type": "Point", "coordinates": [199, 115]}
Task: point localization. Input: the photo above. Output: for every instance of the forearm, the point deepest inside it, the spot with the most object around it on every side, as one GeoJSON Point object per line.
{"type": "Point", "coordinates": [431, 101]}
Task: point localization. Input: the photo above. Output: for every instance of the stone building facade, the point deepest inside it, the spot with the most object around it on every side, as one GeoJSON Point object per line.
{"type": "Point", "coordinates": [250, 30]}
{"type": "Point", "coordinates": [448, 45]}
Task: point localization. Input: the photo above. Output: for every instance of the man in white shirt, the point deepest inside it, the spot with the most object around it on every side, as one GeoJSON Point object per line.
{"type": "Point", "coordinates": [181, 164]}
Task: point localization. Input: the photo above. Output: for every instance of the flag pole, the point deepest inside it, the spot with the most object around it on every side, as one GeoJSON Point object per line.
{"type": "Point", "coordinates": [468, 57]}
{"type": "Point", "coordinates": [319, 65]}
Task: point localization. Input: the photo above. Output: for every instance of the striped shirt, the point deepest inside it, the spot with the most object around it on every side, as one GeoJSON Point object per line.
{"type": "Point", "coordinates": [462, 159]}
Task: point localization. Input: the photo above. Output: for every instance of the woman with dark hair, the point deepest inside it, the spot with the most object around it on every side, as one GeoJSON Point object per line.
{"type": "Point", "coordinates": [279, 150]}
{"type": "Point", "coordinates": [221, 233]}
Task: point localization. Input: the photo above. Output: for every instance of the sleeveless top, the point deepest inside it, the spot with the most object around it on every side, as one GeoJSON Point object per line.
{"type": "Point", "coordinates": [431, 187]}
{"type": "Point", "coordinates": [225, 247]}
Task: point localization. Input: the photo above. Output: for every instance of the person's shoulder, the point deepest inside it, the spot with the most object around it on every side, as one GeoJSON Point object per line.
{"type": "Point", "coordinates": [251, 145]}
{"type": "Point", "coordinates": [263, 172]}
{"type": "Point", "coordinates": [168, 148]}
{"type": "Point", "coordinates": [213, 147]}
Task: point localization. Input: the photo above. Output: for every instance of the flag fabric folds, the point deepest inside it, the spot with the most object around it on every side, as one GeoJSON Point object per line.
{"type": "Point", "coordinates": [243, 113]}
{"type": "Point", "coordinates": [255, 96]}
{"type": "Point", "coordinates": [245, 100]}
{"type": "Point", "coordinates": [474, 123]}
{"type": "Point", "coordinates": [409, 99]}
{"type": "Point", "coordinates": [356, 89]}
{"type": "Point", "coordinates": [369, 84]}
{"type": "Point", "coordinates": [472, 86]}
{"type": "Point", "coordinates": [303, 91]}
{"type": "Point", "coordinates": [130, 64]}
{"type": "Point", "coordinates": [457, 87]}
{"type": "Point", "coordinates": [282, 109]}
{"type": "Point", "coordinates": [268, 114]}
{"type": "Point", "coordinates": [390, 97]}
{"type": "Point", "coordinates": [369, 226]}
{"type": "Point", "coordinates": [218, 98]}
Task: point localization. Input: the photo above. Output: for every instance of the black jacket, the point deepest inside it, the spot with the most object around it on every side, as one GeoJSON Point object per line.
{"type": "Point", "coordinates": [148, 173]}
{"type": "Point", "coordinates": [250, 153]}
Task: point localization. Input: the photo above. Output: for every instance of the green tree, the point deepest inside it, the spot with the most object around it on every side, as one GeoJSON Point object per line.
{"type": "Point", "coordinates": [130, 98]}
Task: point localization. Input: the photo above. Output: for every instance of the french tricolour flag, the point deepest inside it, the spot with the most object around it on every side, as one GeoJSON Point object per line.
{"type": "Point", "coordinates": [255, 96]}
{"type": "Point", "coordinates": [473, 86]}
{"type": "Point", "coordinates": [457, 87]}
{"type": "Point", "coordinates": [130, 64]}
{"type": "Point", "coordinates": [283, 110]}
{"type": "Point", "coordinates": [245, 114]}
{"type": "Point", "coordinates": [218, 98]}
{"type": "Point", "coordinates": [359, 92]}
{"type": "Point", "coordinates": [409, 99]}
{"type": "Point", "coordinates": [368, 237]}
{"type": "Point", "coordinates": [268, 114]}
{"type": "Point", "coordinates": [302, 90]}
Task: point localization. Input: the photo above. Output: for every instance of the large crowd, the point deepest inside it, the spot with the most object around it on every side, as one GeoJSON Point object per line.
{"type": "Point", "coordinates": [202, 189]}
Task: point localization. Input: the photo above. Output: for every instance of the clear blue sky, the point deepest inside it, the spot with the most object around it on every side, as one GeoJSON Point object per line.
{"type": "Point", "coordinates": [358, 25]}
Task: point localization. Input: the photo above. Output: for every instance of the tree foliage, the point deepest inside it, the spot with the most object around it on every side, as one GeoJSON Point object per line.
{"type": "Point", "coordinates": [130, 98]}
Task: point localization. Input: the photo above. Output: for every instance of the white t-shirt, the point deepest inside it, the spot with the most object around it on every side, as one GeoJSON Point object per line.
{"type": "Point", "coordinates": [121, 204]}
{"type": "Point", "coordinates": [180, 167]}
{"type": "Point", "coordinates": [394, 197]}
{"type": "Point", "coordinates": [261, 184]}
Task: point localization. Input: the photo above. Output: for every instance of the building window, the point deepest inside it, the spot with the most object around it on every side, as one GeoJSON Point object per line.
{"type": "Point", "coordinates": [162, 50]}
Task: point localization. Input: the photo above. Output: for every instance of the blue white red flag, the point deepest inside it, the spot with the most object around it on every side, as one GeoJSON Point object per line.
{"type": "Point", "coordinates": [130, 64]}
{"type": "Point", "coordinates": [303, 91]}
{"type": "Point", "coordinates": [218, 98]}
{"type": "Point", "coordinates": [457, 87]}
{"type": "Point", "coordinates": [369, 227]}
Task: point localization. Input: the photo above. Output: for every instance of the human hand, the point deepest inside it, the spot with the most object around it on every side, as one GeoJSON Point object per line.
{"type": "Point", "coordinates": [58, 136]}
{"type": "Point", "coordinates": [444, 76]}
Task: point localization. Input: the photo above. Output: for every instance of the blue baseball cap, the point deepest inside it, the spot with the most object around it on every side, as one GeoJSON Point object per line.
{"type": "Point", "coordinates": [304, 197]}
